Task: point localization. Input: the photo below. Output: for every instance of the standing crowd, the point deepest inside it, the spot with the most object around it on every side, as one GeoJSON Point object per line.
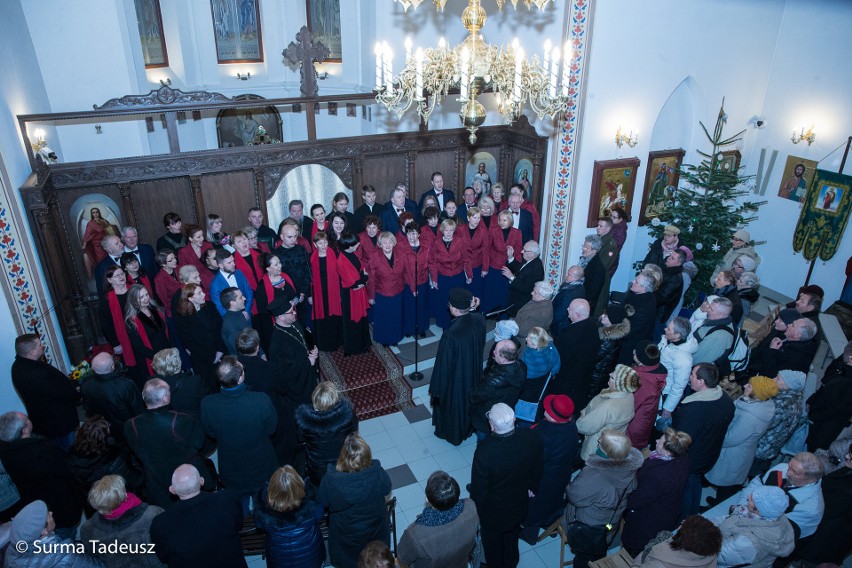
{"type": "Point", "coordinates": [596, 410]}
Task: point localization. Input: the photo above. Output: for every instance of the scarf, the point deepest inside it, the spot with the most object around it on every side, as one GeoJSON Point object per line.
{"type": "Point", "coordinates": [129, 502]}
{"type": "Point", "coordinates": [143, 336]}
{"type": "Point", "coordinates": [120, 329]}
{"type": "Point", "coordinates": [707, 395]}
{"type": "Point", "coordinates": [334, 308]}
{"type": "Point", "coordinates": [434, 518]}
{"type": "Point", "coordinates": [655, 456]}
{"type": "Point", "coordinates": [349, 277]}
{"type": "Point", "coordinates": [667, 250]}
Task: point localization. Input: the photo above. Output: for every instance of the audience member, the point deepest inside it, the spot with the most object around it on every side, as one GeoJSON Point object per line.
{"type": "Point", "coordinates": [200, 327]}
{"type": "Point", "coordinates": [795, 351]}
{"type": "Point", "coordinates": [501, 382]}
{"type": "Point", "coordinates": [789, 416]}
{"type": "Point", "coordinates": [758, 533]}
{"type": "Point", "coordinates": [655, 504]}
{"type": "Point", "coordinates": [40, 471]}
{"type": "Point", "coordinates": [536, 313]}
{"type": "Point", "coordinates": [35, 523]}
{"type": "Point", "coordinates": [640, 301]}
{"type": "Point", "coordinates": [109, 393]}
{"type": "Point", "coordinates": [324, 425]}
{"type": "Point", "coordinates": [676, 348]}
{"type": "Point", "coordinates": [726, 287]}
{"type": "Point", "coordinates": [186, 389]}
{"type": "Point", "coordinates": [354, 492]}
{"type": "Point", "coordinates": [121, 517]}
{"type": "Point", "coordinates": [661, 248]}
{"type": "Point", "coordinates": [716, 335]}
{"type": "Point", "coordinates": [646, 399]}
{"type": "Point", "coordinates": [801, 480]}
{"type": "Point", "coordinates": [443, 535]}
{"type": "Point", "coordinates": [542, 362]}
{"type": "Point", "coordinates": [598, 495]}
{"type": "Point", "coordinates": [740, 245]}
{"type": "Point", "coordinates": [829, 407]}
{"type": "Point", "coordinates": [558, 433]}
{"type": "Point", "coordinates": [578, 346]}
{"type": "Point", "coordinates": [523, 275]}
{"type": "Point", "coordinates": [606, 358]}
{"type": "Point", "coordinates": [753, 413]}
{"type": "Point", "coordinates": [612, 409]}
{"type": "Point", "coordinates": [202, 529]}
{"type": "Point", "coordinates": [671, 288]}
{"type": "Point", "coordinates": [748, 288]}
{"type": "Point", "coordinates": [704, 415]}
{"type": "Point", "coordinates": [48, 395]}
{"type": "Point", "coordinates": [458, 367]}
{"type": "Point", "coordinates": [507, 467]}
{"type": "Point", "coordinates": [288, 512]}
{"type": "Point", "coordinates": [376, 555]}
{"type": "Point", "coordinates": [241, 422]}
{"type": "Point", "coordinates": [593, 270]}
{"type": "Point", "coordinates": [695, 544]}
{"type": "Point", "coordinates": [95, 454]}
{"type": "Point", "coordinates": [570, 289]}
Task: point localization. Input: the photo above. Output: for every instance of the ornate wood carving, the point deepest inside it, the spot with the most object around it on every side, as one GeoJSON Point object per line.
{"type": "Point", "coordinates": [260, 191]}
{"type": "Point", "coordinates": [165, 95]}
{"type": "Point", "coordinates": [198, 199]}
{"type": "Point", "coordinates": [127, 204]}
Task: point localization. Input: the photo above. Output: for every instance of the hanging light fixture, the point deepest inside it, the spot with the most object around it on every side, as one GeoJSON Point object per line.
{"type": "Point", "coordinates": [472, 68]}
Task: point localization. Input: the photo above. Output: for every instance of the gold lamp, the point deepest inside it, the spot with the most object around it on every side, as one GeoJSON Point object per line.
{"type": "Point", "coordinates": [472, 68]}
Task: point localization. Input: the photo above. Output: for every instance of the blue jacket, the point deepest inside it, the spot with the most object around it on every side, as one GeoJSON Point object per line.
{"type": "Point", "coordinates": [293, 539]}
{"type": "Point", "coordinates": [219, 283]}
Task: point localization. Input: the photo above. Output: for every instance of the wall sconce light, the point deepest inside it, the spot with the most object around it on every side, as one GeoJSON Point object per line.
{"type": "Point", "coordinates": [808, 136]}
{"type": "Point", "coordinates": [245, 77]}
{"type": "Point", "coordinates": [322, 76]}
{"type": "Point", "coordinates": [40, 142]}
{"type": "Point", "coordinates": [631, 139]}
{"type": "Point", "coordinates": [98, 129]}
{"type": "Point", "coordinates": [166, 82]}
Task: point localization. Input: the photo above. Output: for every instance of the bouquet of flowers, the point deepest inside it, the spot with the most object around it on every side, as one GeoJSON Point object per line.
{"type": "Point", "coordinates": [79, 372]}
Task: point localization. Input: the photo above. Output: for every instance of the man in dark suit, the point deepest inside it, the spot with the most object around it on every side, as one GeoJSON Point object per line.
{"type": "Point", "coordinates": [230, 276]}
{"type": "Point", "coordinates": [264, 233]}
{"type": "Point", "coordinates": [203, 529]}
{"type": "Point", "coordinates": [522, 219]}
{"type": "Point", "coordinates": [49, 396]}
{"type": "Point", "coordinates": [370, 207]}
{"type": "Point", "coordinates": [306, 224]}
{"type": "Point", "coordinates": [579, 343]}
{"type": "Point", "coordinates": [143, 252]}
{"type": "Point", "coordinates": [110, 394]}
{"type": "Point", "coordinates": [234, 321]}
{"type": "Point", "coordinates": [438, 192]}
{"type": "Point", "coordinates": [468, 201]}
{"type": "Point", "coordinates": [507, 465]}
{"type": "Point", "coordinates": [595, 273]}
{"type": "Point", "coordinates": [571, 289]}
{"type": "Point", "coordinates": [398, 205]}
{"type": "Point", "coordinates": [242, 422]}
{"type": "Point", "coordinates": [114, 248]}
{"type": "Point", "coordinates": [523, 276]}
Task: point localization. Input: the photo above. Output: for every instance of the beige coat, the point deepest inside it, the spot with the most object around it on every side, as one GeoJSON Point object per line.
{"type": "Point", "coordinates": [607, 410]}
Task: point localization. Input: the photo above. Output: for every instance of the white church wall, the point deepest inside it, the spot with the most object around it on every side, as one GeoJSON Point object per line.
{"type": "Point", "coordinates": [808, 85]}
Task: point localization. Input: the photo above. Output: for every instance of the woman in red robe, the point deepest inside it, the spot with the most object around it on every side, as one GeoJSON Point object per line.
{"type": "Point", "coordinates": [384, 290]}
{"type": "Point", "coordinates": [477, 239]}
{"type": "Point", "coordinates": [503, 237]}
{"type": "Point", "coordinates": [273, 284]}
{"type": "Point", "coordinates": [416, 294]}
{"type": "Point", "coordinates": [197, 246]}
{"type": "Point", "coordinates": [447, 269]}
{"type": "Point", "coordinates": [353, 297]}
{"type": "Point", "coordinates": [326, 308]}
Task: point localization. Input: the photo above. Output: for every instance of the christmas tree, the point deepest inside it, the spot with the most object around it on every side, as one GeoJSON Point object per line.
{"type": "Point", "coordinates": [708, 207]}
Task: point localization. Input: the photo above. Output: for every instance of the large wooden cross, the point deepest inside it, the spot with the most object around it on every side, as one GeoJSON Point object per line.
{"type": "Point", "coordinates": [306, 53]}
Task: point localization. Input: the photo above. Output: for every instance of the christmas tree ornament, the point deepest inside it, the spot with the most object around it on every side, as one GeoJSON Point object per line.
{"type": "Point", "coordinates": [699, 246]}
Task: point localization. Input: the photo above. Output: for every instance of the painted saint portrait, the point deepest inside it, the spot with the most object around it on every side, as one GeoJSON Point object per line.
{"type": "Point", "coordinates": [829, 198]}
{"type": "Point", "coordinates": [524, 175]}
{"type": "Point", "coordinates": [481, 173]}
{"type": "Point", "coordinates": [94, 216]}
{"type": "Point", "coordinates": [797, 177]}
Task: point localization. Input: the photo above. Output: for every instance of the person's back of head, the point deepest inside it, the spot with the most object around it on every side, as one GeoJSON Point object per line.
{"type": "Point", "coordinates": [156, 393]}
{"type": "Point", "coordinates": [708, 373]}
{"type": "Point", "coordinates": [355, 455]}
{"type": "Point", "coordinates": [699, 536]}
{"type": "Point", "coordinates": [25, 345]}
{"type": "Point", "coordinates": [325, 396]}
{"type": "Point", "coordinates": [501, 417]}
{"type": "Point", "coordinates": [442, 491]}
{"type": "Point", "coordinates": [107, 494]}
{"type": "Point", "coordinates": [103, 364]}
{"type": "Point", "coordinates": [186, 482]}
{"type": "Point", "coordinates": [13, 426]}
{"type": "Point", "coordinates": [229, 372]}
{"type": "Point", "coordinates": [167, 362]}
{"type": "Point", "coordinates": [248, 342]}
{"type": "Point", "coordinates": [614, 444]}
{"type": "Point", "coordinates": [376, 555]}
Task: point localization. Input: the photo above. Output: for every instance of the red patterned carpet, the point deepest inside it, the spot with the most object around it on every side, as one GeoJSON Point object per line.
{"type": "Point", "coordinates": [373, 381]}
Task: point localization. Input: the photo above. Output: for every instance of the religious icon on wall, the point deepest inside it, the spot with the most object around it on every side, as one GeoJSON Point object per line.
{"type": "Point", "coordinates": [481, 173]}
{"type": "Point", "coordinates": [324, 23]}
{"type": "Point", "coordinates": [150, 21]}
{"type": "Point", "coordinates": [797, 177]}
{"type": "Point", "coordinates": [523, 176]}
{"type": "Point", "coordinates": [248, 126]}
{"type": "Point", "coordinates": [661, 179]}
{"type": "Point", "coordinates": [613, 183]}
{"type": "Point", "coordinates": [94, 216]}
{"type": "Point", "coordinates": [236, 27]}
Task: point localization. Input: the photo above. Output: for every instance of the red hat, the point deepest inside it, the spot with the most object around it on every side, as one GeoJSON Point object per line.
{"type": "Point", "coordinates": [559, 407]}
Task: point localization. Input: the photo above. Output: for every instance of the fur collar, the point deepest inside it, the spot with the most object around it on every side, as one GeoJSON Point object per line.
{"type": "Point", "coordinates": [616, 331]}
{"type": "Point", "coordinates": [331, 420]}
{"type": "Point", "coordinates": [632, 462]}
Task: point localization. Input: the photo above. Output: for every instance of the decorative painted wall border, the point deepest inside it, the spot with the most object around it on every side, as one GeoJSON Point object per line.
{"type": "Point", "coordinates": [562, 198]}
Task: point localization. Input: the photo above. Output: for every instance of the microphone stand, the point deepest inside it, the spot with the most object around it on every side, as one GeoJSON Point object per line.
{"type": "Point", "coordinates": [416, 375]}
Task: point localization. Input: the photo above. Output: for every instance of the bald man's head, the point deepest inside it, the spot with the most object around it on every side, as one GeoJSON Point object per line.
{"type": "Point", "coordinates": [579, 310]}
{"type": "Point", "coordinates": [103, 364]}
{"type": "Point", "coordinates": [186, 482]}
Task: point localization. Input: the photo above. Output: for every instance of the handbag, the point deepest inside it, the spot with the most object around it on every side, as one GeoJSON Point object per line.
{"type": "Point", "coordinates": [526, 410]}
{"type": "Point", "coordinates": [591, 540]}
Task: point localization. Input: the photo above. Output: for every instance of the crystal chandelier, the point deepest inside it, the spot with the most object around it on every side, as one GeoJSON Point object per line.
{"type": "Point", "coordinates": [472, 68]}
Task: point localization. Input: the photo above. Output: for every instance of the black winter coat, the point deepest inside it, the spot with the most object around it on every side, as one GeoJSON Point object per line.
{"type": "Point", "coordinates": [113, 396]}
{"type": "Point", "coordinates": [668, 294]}
{"type": "Point", "coordinates": [655, 504]}
{"type": "Point", "coordinates": [49, 396]}
{"type": "Point", "coordinates": [324, 434]}
{"type": "Point", "coordinates": [641, 323]}
{"type": "Point", "coordinates": [831, 405]}
{"type": "Point", "coordinates": [606, 357]}
{"type": "Point", "coordinates": [578, 349]}
{"type": "Point", "coordinates": [707, 422]}
{"type": "Point", "coordinates": [793, 355]}
{"type": "Point", "coordinates": [500, 383]}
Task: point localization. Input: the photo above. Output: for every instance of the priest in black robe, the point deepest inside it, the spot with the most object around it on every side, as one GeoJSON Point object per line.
{"type": "Point", "coordinates": [289, 352]}
{"type": "Point", "coordinates": [458, 367]}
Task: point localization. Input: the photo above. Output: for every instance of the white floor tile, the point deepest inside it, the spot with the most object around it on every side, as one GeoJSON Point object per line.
{"type": "Point", "coordinates": [422, 469]}
{"type": "Point", "coordinates": [378, 441]}
{"type": "Point", "coordinates": [395, 420]}
{"type": "Point", "coordinates": [531, 560]}
{"type": "Point", "coordinates": [370, 426]}
{"type": "Point", "coordinates": [414, 450]}
{"type": "Point", "coordinates": [401, 435]}
{"type": "Point", "coordinates": [409, 497]}
{"type": "Point", "coordinates": [389, 458]}
{"type": "Point", "coordinates": [424, 428]}
{"type": "Point", "coordinates": [451, 460]}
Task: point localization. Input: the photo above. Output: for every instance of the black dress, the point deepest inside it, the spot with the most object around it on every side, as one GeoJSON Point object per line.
{"type": "Point", "coordinates": [327, 329]}
{"type": "Point", "coordinates": [158, 339]}
{"type": "Point", "coordinates": [356, 334]}
{"type": "Point", "coordinates": [201, 333]}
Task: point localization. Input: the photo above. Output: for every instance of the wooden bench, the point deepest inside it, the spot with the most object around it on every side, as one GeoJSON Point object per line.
{"type": "Point", "coordinates": [620, 559]}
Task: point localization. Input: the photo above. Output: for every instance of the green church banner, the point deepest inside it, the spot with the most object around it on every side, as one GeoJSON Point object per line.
{"type": "Point", "coordinates": [824, 215]}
